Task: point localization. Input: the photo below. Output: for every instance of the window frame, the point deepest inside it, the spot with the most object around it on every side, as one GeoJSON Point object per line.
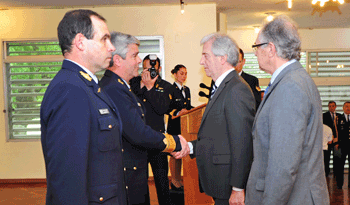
{"type": "Point", "coordinates": [20, 59]}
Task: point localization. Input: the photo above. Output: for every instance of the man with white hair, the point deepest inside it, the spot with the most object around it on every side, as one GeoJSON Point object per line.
{"type": "Point", "coordinates": [223, 149]}
{"type": "Point", "coordinates": [287, 132]}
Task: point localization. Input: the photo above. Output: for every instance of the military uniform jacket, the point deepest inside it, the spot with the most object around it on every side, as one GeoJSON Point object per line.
{"type": "Point", "coordinates": [253, 82]}
{"type": "Point", "coordinates": [137, 136]}
{"type": "Point", "coordinates": [81, 139]}
{"type": "Point", "coordinates": [178, 103]}
{"type": "Point", "coordinates": [157, 101]}
{"type": "Point", "coordinates": [327, 120]}
{"type": "Point", "coordinates": [343, 132]}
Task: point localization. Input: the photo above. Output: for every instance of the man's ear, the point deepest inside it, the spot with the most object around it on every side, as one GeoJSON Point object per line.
{"type": "Point", "coordinates": [243, 62]}
{"type": "Point", "coordinates": [272, 50]}
{"type": "Point", "coordinates": [117, 60]}
{"type": "Point", "coordinates": [223, 59]}
{"type": "Point", "coordinates": [79, 41]}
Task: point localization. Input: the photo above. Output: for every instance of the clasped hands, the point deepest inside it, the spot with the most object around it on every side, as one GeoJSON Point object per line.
{"type": "Point", "coordinates": [184, 151]}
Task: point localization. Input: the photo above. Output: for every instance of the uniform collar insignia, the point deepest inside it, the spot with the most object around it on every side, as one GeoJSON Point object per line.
{"type": "Point", "coordinates": [157, 85]}
{"type": "Point", "coordinates": [121, 82]}
{"type": "Point", "coordinates": [99, 90]}
{"type": "Point", "coordinates": [86, 76]}
{"type": "Point", "coordinates": [258, 88]}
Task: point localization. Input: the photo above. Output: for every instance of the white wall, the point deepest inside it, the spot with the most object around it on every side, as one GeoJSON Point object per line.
{"type": "Point", "coordinates": [182, 34]}
{"type": "Point", "coordinates": [310, 39]}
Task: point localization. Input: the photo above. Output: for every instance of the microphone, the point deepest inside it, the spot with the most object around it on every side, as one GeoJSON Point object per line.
{"type": "Point", "coordinates": [202, 85]}
{"type": "Point", "coordinates": [202, 94]}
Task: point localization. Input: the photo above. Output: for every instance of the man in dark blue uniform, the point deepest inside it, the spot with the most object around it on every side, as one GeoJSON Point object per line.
{"type": "Point", "coordinates": [343, 126]}
{"type": "Point", "coordinates": [156, 95]}
{"type": "Point", "coordinates": [329, 118]}
{"type": "Point", "coordinates": [137, 136]}
{"type": "Point", "coordinates": [81, 129]}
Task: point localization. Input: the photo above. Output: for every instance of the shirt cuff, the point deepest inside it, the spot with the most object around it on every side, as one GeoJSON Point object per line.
{"type": "Point", "coordinates": [191, 147]}
{"type": "Point", "coordinates": [237, 189]}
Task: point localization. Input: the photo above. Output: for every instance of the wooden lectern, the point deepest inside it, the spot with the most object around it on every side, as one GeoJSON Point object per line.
{"type": "Point", "coordinates": [190, 123]}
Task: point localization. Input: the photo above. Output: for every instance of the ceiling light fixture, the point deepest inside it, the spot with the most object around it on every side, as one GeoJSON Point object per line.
{"type": "Point", "coordinates": [182, 7]}
{"type": "Point", "coordinates": [289, 4]}
{"type": "Point", "coordinates": [322, 2]}
{"type": "Point", "coordinates": [270, 16]}
{"type": "Point", "coordinates": [256, 29]}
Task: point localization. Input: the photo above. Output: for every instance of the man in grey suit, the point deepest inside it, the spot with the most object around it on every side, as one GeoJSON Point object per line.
{"type": "Point", "coordinates": [287, 132]}
{"type": "Point", "coordinates": [224, 149]}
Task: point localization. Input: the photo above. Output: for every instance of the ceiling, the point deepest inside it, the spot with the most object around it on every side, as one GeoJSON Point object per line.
{"type": "Point", "coordinates": [241, 14]}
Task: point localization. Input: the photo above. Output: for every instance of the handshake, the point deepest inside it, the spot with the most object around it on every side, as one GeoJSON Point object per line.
{"type": "Point", "coordinates": [185, 149]}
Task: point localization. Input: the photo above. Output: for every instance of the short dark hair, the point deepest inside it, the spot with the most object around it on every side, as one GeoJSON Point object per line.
{"type": "Point", "coordinates": [147, 58]}
{"type": "Point", "coordinates": [332, 102]}
{"type": "Point", "coordinates": [346, 103]}
{"type": "Point", "coordinates": [242, 53]}
{"type": "Point", "coordinates": [177, 68]}
{"type": "Point", "coordinates": [74, 22]}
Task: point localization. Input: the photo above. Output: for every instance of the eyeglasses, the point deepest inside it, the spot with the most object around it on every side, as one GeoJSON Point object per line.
{"type": "Point", "coordinates": [256, 46]}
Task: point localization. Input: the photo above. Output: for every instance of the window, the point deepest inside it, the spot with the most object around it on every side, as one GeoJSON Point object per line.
{"type": "Point", "coordinates": [29, 68]}
{"type": "Point", "coordinates": [152, 45]}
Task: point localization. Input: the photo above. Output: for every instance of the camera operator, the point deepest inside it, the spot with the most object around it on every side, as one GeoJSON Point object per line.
{"type": "Point", "coordinates": [156, 95]}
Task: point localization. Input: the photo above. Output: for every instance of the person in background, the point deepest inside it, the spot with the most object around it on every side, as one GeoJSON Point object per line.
{"type": "Point", "coordinates": [343, 127]}
{"type": "Point", "coordinates": [329, 120]}
{"type": "Point", "coordinates": [327, 140]}
{"type": "Point", "coordinates": [156, 95]}
{"type": "Point", "coordinates": [81, 129]}
{"type": "Point", "coordinates": [181, 102]}
{"type": "Point", "coordinates": [252, 81]}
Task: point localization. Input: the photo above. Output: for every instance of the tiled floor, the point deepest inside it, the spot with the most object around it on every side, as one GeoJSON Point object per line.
{"type": "Point", "coordinates": [34, 194]}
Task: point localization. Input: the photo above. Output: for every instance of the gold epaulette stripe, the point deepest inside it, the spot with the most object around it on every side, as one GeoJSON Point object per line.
{"type": "Point", "coordinates": [172, 112]}
{"type": "Point", "coordinates": [85, 75]}
{"type": "Point", "coordinates": [169, 142]}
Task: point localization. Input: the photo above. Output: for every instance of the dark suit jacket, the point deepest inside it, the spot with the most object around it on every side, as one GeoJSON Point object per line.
{"type": "Point", "coordinates": [327, 120]}
{"type": "Point", "coordinates": [253, 82]}
{"type": "Point", "coordinates": [137, 136]}
{"type": "Point", "coordinates": [178, 103]}
{"type": "Point", "coordinates": [81, 139]}
{"type": "Point", "coordinates": [224, 148]}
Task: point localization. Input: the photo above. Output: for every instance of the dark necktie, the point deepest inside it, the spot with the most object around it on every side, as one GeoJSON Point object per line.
{"type": "Point", "coordinates": [183, 92]}
{"type": "Point", "coordinates": [213, 91]}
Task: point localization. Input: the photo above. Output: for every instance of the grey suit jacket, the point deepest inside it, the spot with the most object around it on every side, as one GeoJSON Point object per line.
{"type": "Point", "coordinates": [287, 135]}
{"type": "Point", "coordinates": [224, 146]}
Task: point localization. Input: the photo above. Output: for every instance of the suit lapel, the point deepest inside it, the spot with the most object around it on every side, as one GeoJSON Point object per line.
{"type": "Point", "coordinates": [280, 76]}
{"type": "Point", "coordinates": [231, 75]}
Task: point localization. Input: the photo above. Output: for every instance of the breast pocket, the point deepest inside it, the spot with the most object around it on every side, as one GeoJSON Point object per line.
{"type": "Point", "coordinates": [109, 133]}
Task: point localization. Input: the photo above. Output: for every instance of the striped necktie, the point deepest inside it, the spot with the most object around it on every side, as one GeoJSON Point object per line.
{"type": "Point", "coordinates": [213, 90]}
